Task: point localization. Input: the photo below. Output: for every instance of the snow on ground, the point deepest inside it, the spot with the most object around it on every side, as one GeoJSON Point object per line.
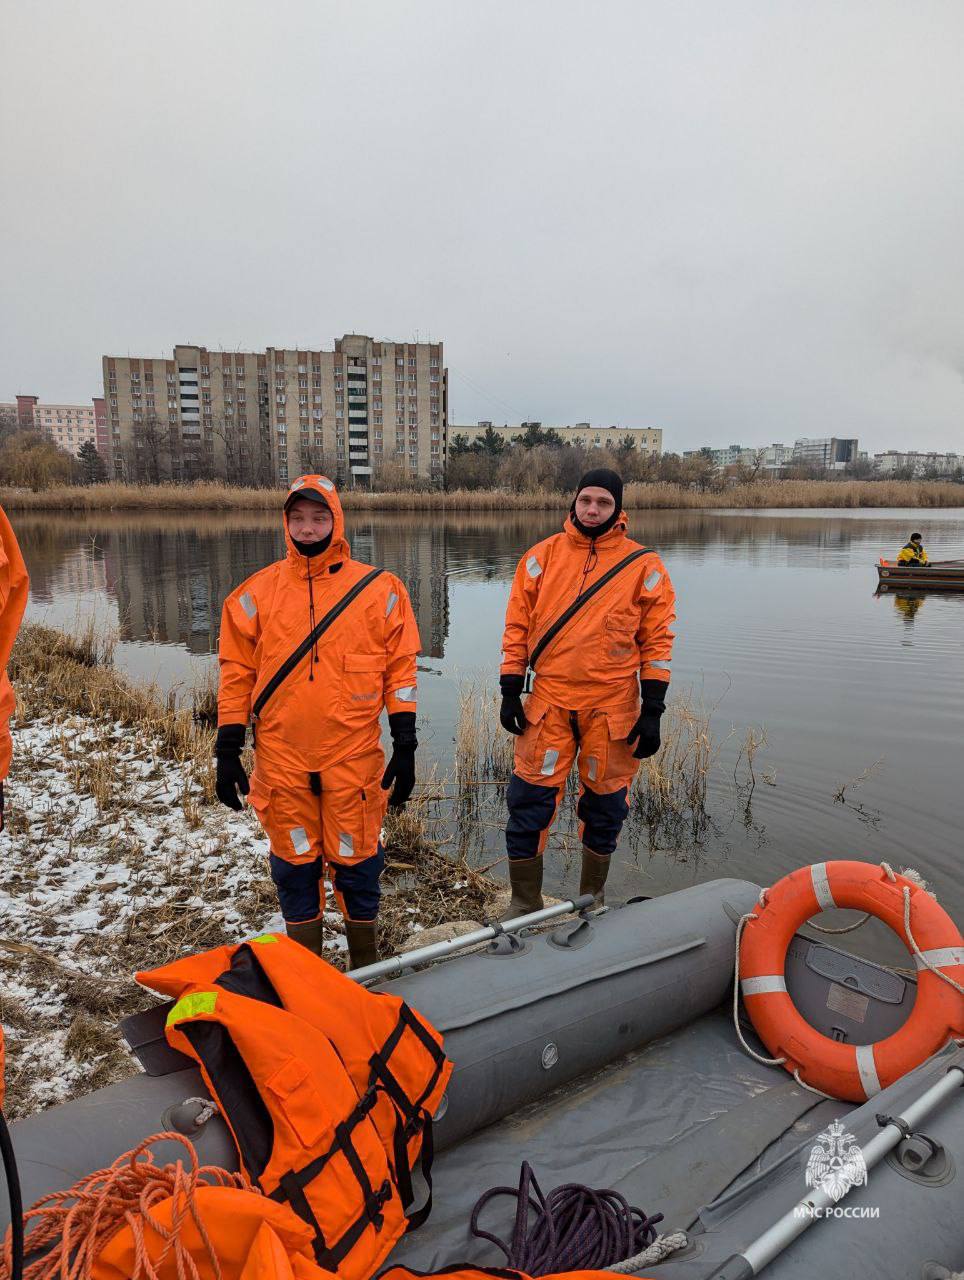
{"type": "Point", "coordinates": [112, 861]}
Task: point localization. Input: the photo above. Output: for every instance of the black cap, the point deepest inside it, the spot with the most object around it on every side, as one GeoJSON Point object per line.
{"type": "Point", "coordinates": [312, 495]}
{"type": "Point", "coordinates": [603, 478]}
{"type": "Point", "coordinates": [915, 537]}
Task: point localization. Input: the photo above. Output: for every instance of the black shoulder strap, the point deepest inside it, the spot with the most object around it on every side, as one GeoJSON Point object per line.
{"type": "Point", "coordinates": [289, 664]}
{"type": "Point", "coordinates": [565, 618]}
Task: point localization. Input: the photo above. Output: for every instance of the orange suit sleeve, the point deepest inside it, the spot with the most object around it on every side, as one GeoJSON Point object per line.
{"type": "Point", "coordinates": [523, 595]}
{"type": "Point", "coordinates": [657, 603]}
{"type": "Point", "coordinates": [240, 632]}
{"type": "Point", "coordinates": [402, 646]}
{"type": "Point", "coordinates": [14, 586]}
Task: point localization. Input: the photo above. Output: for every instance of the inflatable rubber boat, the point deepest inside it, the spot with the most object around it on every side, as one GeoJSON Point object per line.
{"type": "Point", "coordinates": [602, 1050]}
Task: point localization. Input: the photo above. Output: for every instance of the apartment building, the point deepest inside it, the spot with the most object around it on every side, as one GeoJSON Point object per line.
{"type": "Point", "coordinates": [918, 463]}
{"type": "Point", "coordinates": [829, 452]}
{"type": "Point", "coordinates": [266, 417]}
{"type": "Point", "coordinates": [70, 426]}
{"type": "Point", "coordinates": [646, 439]}
{"type": "Point", "coordinates": [770, 458]}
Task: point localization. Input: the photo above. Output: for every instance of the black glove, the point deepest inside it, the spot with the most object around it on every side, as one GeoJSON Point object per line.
{"type": "Point", "coordinates": [645, 732]}
{"type": "Point", "coordinates": [401, 767]}
{"type": "Point", "coordinates": [511, 716]}
{"type": "Point", "coordinates": [231, 777]}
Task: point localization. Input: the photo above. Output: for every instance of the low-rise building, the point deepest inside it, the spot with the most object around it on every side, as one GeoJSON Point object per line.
{"type": "Point", "coordinates": [918, 463]}
{"type": "Point", "coordinates": [646, 439]}
{"type": "Point", "coordinates": [769, 459]}
{"type": "Point", "coordinates": [70, 426]}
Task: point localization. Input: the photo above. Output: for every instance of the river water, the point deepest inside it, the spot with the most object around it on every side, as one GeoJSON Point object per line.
{"type": "Point", "coordinates": [779, 628]}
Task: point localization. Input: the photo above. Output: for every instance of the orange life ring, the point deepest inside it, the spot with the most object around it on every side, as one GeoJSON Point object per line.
{"type": "Point", "coordinates": [847, 1071]}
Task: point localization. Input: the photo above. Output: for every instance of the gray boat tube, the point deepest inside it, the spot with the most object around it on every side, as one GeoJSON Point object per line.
{"type": "Point", "coordinates": [524, 1016]}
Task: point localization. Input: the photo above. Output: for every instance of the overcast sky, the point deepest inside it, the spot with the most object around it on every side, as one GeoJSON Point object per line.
{"type": "Point", "coordinates": [736, 221]}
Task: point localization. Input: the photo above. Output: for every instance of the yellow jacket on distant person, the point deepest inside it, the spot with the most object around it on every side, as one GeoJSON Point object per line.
{"type": "Point", "coordinates": [912, 553]}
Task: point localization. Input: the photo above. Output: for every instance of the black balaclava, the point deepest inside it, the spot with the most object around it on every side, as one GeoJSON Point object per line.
{"type": "Point", "coordinates": [600, 478]}
{"type": "Point", "coordinates": [309, 549]}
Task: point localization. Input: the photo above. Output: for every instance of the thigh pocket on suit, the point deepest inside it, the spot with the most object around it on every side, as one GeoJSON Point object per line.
{"type": "Point", "coordinates": [529, 748]}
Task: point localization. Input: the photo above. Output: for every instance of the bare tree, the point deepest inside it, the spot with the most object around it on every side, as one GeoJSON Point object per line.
{"type": "Point", "coordinates": [748, 469]}
{"type": "Point", "coordinates": [153, 453]}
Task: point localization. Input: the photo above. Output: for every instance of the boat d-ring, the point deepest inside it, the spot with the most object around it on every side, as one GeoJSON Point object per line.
{"type": "Point", "coordinates": [190, 1116]}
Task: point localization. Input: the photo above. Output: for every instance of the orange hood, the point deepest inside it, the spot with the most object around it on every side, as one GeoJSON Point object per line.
{"type": "Point", "coordinates": [338, 548]}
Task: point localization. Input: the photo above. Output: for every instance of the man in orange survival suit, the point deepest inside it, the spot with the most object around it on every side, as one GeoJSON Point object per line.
{"type": "Point", "coordinates": [14, 585]}
{"type": "Point", "coordinates": [586, 695]}
{"type": "Point", "coordinates": [318, 786]}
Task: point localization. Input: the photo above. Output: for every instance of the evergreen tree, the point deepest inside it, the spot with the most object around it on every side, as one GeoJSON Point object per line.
{"type": "Point", "coordinates": [93, 469]}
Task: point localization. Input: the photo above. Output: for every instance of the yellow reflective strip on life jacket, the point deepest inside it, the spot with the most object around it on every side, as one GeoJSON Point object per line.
{"type": "Point", "coordinates": [265, 937]}
{"type": "Point", "coordinates": [191, 1005]}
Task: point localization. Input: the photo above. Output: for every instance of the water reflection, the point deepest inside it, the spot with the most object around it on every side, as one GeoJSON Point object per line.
{"type": "Point", "coordinates": [778, 628]}
{"type": "Point", "coordinates": [169, 574]}
{"type": "Point", "coordinates": [907, 604]}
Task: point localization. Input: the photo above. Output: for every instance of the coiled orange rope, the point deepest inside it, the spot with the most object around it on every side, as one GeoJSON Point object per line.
{"type": "Point", "coordinates": [69, 1228]}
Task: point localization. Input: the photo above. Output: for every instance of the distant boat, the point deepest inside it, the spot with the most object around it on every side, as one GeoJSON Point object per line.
{"type": "Point", "coordinates": [938, 575]}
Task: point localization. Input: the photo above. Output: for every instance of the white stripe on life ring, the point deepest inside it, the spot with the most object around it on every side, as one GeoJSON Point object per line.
{"type": "Point", "coordinates": [821, 885]}
{"type": "Point", "coordinates": [941, 957]}
{"type": "Point", "coordinates": [867, 1069]}
{"type": "Point", "coordinates": [762, 986]}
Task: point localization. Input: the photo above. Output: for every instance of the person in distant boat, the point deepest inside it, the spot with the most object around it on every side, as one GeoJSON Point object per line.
{"type": "Point", "coordinates": [312, 649]}
{"type": "Point", "coordinates": [14, 585]}
{"type": "Point", "coordinates": [592, 660]}
{"type": "Point", "coordinates": [912, 552]}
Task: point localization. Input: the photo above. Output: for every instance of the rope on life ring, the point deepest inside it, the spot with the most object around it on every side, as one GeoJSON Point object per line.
{"type": "Point", "coordinates": [835, 1069]}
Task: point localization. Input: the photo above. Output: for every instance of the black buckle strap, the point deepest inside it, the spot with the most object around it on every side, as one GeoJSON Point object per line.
{"type": "Point", "coordinates": [566, 617]}
{"type": "Point", "coordinates": [311, 1171]}
{"type": "Point", "coordinates": [426, 1157]}
{"type": "Point", "coordinates": [410, 1108]}
{"type": "Point", "coordinates": [289, 664]}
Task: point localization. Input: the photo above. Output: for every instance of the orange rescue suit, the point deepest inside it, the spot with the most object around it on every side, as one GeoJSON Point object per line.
{"type": "Point", "coordinates": [328, 1089]}
{"type": "Point", "coordinates": [316, 786]}
{"type": "Point", "coordinates": [327, 710]}
{"type": "Point", "coordinates": [585, 696]}
{"type": "Point", "coordinates": [621, 635]}
{"type": "Point", "coordinates": [14, 585]}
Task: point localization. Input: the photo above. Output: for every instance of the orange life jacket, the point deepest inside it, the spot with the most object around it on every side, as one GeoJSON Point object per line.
{"type": "Point", "coordinates": [252, 1238]}
{"type": "Point", "coordinates": [328, 1089]}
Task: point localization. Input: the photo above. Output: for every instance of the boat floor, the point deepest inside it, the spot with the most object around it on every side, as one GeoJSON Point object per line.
{"type": "Point", "coordinates": [670, 1127]}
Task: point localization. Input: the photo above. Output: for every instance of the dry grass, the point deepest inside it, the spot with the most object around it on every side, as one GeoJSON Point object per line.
{"type": "Point", "coordinates": [112, 805]}
{"type": "Point", "coordinates": [758, 495]}
{"type": "Point", "coordinates": [668, 799]}
{"type": "Point", "coordinates": [65, 676]}
{"type": "Point", "coordinates": [669, 792]}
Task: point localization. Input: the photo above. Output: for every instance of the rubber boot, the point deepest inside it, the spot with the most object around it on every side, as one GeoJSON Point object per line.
{"type": "Point", "coordinates": [595, 869]}
{"type": "Point", "coordinates": [362, 942]}
{"type": "Point", "coordinates": [525, 879]}
{"type": "Point", "coordinates": [310, 933]}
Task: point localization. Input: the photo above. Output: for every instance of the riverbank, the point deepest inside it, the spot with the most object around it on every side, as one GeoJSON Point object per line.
{"type": "Point", "coordinates": [118, 857]}
{"type": "Point", "coordinates": [756, 496]}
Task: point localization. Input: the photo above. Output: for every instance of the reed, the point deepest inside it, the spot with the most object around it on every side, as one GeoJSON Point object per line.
{"type": "Point", "coordinates": [71, 677]}
{"type": "Point", "coordinates": [660, 495]}
{"type": "Point", "coordinates": [668, 798]}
